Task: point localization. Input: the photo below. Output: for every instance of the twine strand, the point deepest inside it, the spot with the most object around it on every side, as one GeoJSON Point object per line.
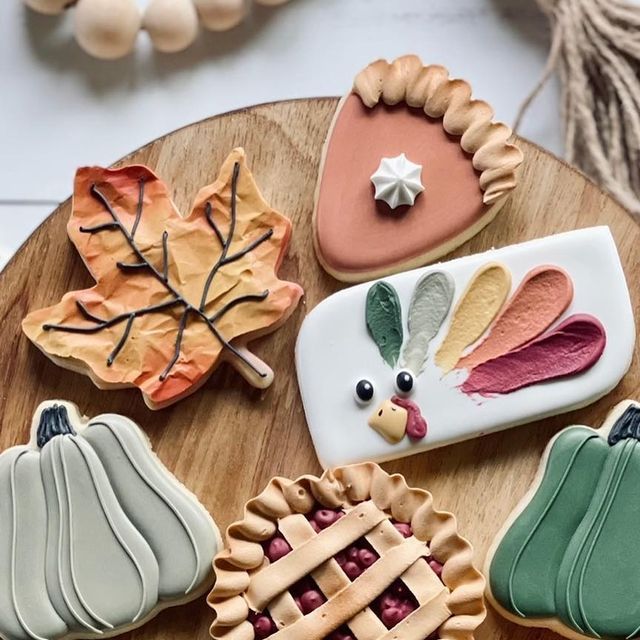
{"type": "Point", "coordinates": [595, 48]}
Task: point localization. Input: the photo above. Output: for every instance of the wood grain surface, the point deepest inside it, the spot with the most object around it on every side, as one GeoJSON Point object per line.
{"type": "Point", "coordinates": [227, 440]}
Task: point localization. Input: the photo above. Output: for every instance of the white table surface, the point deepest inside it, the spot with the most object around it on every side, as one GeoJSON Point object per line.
{"type": "Point", "coordinates": [60, 109]}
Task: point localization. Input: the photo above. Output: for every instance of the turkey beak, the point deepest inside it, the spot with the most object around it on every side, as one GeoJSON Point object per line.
{"type": "Point", "coordinates": [390, 421]}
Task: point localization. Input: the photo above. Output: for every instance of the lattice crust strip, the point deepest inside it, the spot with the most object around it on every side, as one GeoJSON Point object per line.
{"type": "Point", "coordinates": [420, 579]}
{"type": "Point", "coordinates": [455, 613]}
{"type": "Point", "coordinates": [275, 578]}
{"type": "Point", "coordinates": [330, 578]}
{"type": "Point", "coordinates": [421, 622]}
{"type": "Point", "coordinates": [428, 590]}
{"type": "Point", "coordinates": [345, 604]}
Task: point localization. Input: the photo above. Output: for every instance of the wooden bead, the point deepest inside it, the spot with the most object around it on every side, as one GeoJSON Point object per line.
{"type": "Point", "coordinates": [107, 28]}
{"type": "Point", "coordinates": [172, 24]}
{"type": "Point", "coordinates": [49, 7]}
{"type": "Point", "coordinates": [221, 15]}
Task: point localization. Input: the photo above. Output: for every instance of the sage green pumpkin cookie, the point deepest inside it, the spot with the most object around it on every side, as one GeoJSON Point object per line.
{"type": "Point", "coordinates": [96, 535]}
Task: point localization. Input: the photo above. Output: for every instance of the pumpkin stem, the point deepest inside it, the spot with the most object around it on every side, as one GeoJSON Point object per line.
{"type": "Point", "coordinates": [626, 426]}
{"type": "Point", "coordinates": [54, 421]}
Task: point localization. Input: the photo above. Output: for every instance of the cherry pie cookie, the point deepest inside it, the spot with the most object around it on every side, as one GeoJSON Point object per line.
{"type": "Point", "coordinates": [353, 555]}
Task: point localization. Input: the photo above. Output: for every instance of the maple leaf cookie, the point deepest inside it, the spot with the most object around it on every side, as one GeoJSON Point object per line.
{"type": "Point", "coordinates": [174, 297]}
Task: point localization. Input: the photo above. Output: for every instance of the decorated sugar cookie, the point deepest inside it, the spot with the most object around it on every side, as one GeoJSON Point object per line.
{"type": "Point", "coordinates": [96, 536]}
{"type": "Point", "coordinates": [437, 355]}
{"type": "Point", "coordinates": [353, 554]}
{"type": "Point", "coordinates": [566, 558]}
{"type": "Point", "coordinates": [412, 168]}
{"type": "Point", "coordinates": [175, 296]}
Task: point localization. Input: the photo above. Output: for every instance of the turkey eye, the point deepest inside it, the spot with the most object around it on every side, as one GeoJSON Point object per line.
{"type": "Point", "coordinates": [364, 391]}
{"type": "Point", "coordinates": [404, 382]}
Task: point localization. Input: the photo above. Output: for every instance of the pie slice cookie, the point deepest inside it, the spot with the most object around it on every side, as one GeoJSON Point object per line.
{"type": "Point", "coordinates": [413, 167]}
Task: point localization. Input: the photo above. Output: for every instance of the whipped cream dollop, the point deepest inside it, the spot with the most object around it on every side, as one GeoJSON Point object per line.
{"type": "Point", "coordinates": [398, 181]}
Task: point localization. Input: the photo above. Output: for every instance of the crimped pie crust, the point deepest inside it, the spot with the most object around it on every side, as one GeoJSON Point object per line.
{"type": "Point", "coordinates": [245, 578]}
{"type": "Point", "coordinates": [430, 88]}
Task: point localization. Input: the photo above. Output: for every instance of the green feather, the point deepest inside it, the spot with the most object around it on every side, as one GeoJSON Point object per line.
{"type": "Point", "coordinates": [384, 321]}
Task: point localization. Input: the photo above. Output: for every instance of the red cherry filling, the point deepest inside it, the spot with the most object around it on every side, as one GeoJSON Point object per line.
{"type": "Point", "coordinates": [404, 528]}
{"type": "Point", "coordinates": [263, 625]}
{"type": "Point", "coordinates": [340, 634]}
{"type": "Point", "coordinates": [276, 548]}
{"type": "Point", "coordinates": [393, 606]}
{"type": "Point", "coordinates": [436, 567]}
{"type": "Point", "coordinates": [307, 595]}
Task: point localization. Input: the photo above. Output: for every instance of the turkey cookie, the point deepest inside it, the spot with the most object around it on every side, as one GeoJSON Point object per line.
{"type": "Point", "coordinates": [175, 296]}
{"type": "Point", "coordinates": [355, 554]}
{"type": "Point", "coordinates": [437, 355]}
{"type": "Point", "coordinates": [566, 559]}
{"type": "Point", "coordinates": [412, 168]}
{"type": "Point", "coordinates": [96, 536]}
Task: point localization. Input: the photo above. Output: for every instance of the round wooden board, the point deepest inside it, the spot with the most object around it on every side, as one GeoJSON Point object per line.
{"type": "Point", "coordinates": [227, 440]}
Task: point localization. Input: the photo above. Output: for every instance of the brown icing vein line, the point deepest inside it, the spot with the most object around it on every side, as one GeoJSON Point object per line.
{"type": "Point", "coordinates": [226, 244]}
{"type": "Point", "coordinates": [139, 208]}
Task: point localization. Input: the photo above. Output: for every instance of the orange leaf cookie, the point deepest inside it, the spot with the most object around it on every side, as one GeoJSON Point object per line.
{"type": "Point", "coordinates": [174, 296]}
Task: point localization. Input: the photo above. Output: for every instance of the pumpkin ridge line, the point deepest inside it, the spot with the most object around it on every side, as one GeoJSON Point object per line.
{"type": "Point", "coordinates": [593, 543]}
{"type": "Point", "coordinates": [116, 533]}
{"type": "Point", "coordinates": [162, 496]}
{"type": "Point", "coordinates": [591, 525]}
{"type": "Point", "coordinates": [14, 538]}
{"type": "Point", "coordinates": [74, 579]}
{"type": "Point", "coordinates": [54, 446]}
{"type": "Point", "coordinates": [537, 525]}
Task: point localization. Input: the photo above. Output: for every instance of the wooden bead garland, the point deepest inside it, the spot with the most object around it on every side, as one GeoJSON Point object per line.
{"type": "Point", "coordinates": [108, 29]}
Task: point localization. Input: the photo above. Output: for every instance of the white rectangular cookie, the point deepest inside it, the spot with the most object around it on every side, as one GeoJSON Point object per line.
{"type": "Point", "coordinates": [564, 298]}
